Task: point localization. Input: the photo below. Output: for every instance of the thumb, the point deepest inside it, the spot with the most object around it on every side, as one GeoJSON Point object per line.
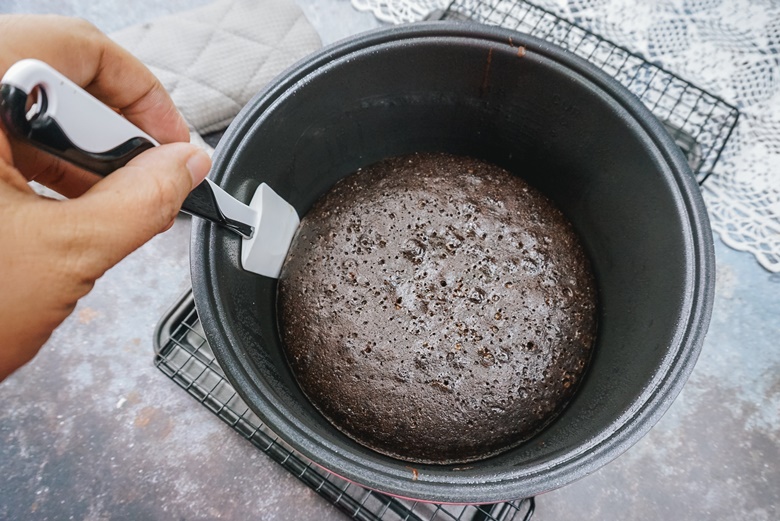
{"type": "Point", "coordinates": [140, 200]}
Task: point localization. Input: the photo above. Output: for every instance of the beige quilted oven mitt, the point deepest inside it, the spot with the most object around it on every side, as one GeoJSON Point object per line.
{"type": "Point", "coordinates": [213, 59]}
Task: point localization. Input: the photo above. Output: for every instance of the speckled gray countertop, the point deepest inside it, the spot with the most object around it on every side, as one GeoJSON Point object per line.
{"type": "Point", "coordinates": [92, 430]}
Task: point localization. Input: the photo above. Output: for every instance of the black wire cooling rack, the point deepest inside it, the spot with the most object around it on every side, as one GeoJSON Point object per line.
{"type": "Point", "coordinates": [182, 353]}
{"type": "Point", "coordinates": [698, 121]}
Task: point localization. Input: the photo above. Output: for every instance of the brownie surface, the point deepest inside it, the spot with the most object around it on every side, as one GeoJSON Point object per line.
{"type": "Point", "coordinates": [437, 309]}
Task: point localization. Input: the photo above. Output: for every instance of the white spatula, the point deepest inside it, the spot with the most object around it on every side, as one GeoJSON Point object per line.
{"type": "Point", "coordinates": [70, 123]}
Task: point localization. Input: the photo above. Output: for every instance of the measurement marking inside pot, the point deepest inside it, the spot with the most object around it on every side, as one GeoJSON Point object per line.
{"type": "Point", "coordinates": [486, 76]}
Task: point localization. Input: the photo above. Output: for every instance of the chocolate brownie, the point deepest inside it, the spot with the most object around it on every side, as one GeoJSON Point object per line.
{"type": "Point", "coordinates": [437, 309]}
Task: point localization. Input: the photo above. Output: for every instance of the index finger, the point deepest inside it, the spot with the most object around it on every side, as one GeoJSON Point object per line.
{"type": "Point", "coordinates": [84, 54]}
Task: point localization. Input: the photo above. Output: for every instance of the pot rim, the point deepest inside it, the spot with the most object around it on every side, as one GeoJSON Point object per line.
{"type": "Point", "coordinates": [448, 486]}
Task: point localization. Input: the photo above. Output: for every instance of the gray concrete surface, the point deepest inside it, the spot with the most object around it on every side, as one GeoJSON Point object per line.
{"type": "Point", "coordinates": [92, 430]}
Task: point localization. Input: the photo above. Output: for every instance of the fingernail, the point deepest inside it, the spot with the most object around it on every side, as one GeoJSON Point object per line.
{"type": "Point", "coordinates": [199, 165]}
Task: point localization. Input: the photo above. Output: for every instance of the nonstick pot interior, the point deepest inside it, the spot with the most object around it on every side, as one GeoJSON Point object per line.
{"type": "Point", "coordinates": [544, 115]}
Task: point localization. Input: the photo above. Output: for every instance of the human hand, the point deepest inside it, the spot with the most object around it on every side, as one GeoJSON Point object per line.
{"type": "Point", "coordinates": [52, 252]}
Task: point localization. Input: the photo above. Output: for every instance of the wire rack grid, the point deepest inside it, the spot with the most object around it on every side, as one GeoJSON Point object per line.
{"type": "Point", "coordinates": [698, 121]}
{"type": "Point", "coordinates": [183, 354]}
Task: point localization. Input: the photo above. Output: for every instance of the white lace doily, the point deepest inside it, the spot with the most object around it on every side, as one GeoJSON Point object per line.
{"type": "Point", "coordinates": [730, 48]}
